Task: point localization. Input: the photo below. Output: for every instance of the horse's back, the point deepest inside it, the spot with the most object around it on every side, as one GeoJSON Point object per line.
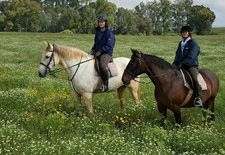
{"type": "Point", "coordinates": [121, 62]}
{"type": "Point", "coordinates": [211, 80]}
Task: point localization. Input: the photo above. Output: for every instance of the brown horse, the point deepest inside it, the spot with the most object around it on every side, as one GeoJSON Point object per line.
{"type": "Point", "coordinates": [169, 87]}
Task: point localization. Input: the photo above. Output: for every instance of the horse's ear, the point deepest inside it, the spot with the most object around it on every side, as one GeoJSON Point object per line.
{"type": "Point", "coordinates": [46, 43]}
{"type": "Point", "coordinates": [132, 50]}
{"type": "Point", "coordinates": [49, 45]}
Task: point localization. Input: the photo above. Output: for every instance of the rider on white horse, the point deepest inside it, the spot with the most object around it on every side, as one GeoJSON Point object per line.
{"type": "Point", "coordinates": [103, 49]}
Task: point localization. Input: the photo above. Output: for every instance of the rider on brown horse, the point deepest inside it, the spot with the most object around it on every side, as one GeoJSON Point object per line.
{"type": "Point", "coordinates": [187, 58]}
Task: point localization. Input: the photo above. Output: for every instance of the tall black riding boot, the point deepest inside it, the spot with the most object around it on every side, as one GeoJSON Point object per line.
{"type": "Point", "coordinates": [105, 80]}
{"type": "Point", "coordinates": [198, 99]}
{"type": "Point", "coordinates": [197, 88]}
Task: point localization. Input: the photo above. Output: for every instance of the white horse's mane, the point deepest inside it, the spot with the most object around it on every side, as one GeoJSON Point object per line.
{"type": "Point", "coordinates": [67, 52]}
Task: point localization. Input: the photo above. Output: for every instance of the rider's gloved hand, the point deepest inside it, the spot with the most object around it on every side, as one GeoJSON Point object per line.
{"type": "Point", "coordinates": [97, 54]}
{"type": "Point", "coordinates": [92, 52]}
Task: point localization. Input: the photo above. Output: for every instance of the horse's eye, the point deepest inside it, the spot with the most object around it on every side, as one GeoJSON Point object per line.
{"type": "Point", "coordinates": [46, 57]}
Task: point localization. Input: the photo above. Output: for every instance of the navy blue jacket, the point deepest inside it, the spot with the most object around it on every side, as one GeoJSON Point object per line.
{"type": "Point", "coordinates": [189, 56]}
{"type": "Point", "coordinates": [104, 41]}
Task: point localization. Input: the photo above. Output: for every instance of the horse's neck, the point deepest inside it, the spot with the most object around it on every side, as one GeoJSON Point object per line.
{"type": "Point", "coordinates": [71, 64]}
{"type": "Point", "coordinates": [159, 76]}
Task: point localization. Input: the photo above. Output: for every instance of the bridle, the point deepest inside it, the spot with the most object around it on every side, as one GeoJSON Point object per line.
{"type": "Point", "coordinates": [140, 61]}
{"type": "Point", "coordinates": [133, 76]}
{"type": "Point", "coordinates": [53, 72]}
{"type": "Point", "coordinates": [51, 58]}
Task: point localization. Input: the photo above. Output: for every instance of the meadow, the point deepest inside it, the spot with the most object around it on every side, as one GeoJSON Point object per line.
{"type": "Point", "coordinates": [39, 115]}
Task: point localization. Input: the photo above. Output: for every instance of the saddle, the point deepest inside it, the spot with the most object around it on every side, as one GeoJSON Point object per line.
{"type": "Point", "coordinates": [188, 83]}
{"type": "Point", "coordinates": [112, 68]}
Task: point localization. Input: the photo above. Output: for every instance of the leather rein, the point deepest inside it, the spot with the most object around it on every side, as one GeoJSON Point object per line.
{"type": "Point", "coordinates": [53, 72]}
{"type": "Point", "coordinates": [133, 76]}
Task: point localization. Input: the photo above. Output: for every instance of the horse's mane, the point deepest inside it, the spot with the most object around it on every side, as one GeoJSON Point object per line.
{"type": "Point", "coordinates": [67, 52]}
{"type": "Point", "coordinates": [157, 61]}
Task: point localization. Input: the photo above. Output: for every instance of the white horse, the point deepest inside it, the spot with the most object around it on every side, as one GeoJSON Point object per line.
{"type": "Point", "coordinates": [84, 81]}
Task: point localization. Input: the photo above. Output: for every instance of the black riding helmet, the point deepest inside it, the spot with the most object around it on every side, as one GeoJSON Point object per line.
{"type": "Point", "coordinates": [185, 28]}
{"type": "Point", "coordinates": [102, 18]}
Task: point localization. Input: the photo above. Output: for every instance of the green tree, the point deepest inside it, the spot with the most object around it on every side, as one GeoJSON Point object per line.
{"type": "Point", "coordinates": [2, 22]}
{"type": "Point", "coordinates": [68, 19]}
{"type": "Point", "coordinates": [75, 4]}
{"type": "Point", "coordinates": [21, 15]}
{"type": "Point", "coordinates": [180, 10]}
{"type": "Point", "coordinates": [88, 19]}
{"type": "Point", "coordinates": [106, 8]}
{"type": "Point", "coordinates": [144, 23]}
{"type": "Point", "coordinates": [52, 16]}
{"type": "Point", "coordinates": [165, 15]}
{"type": "Point", "coordinates": [201, 19]}
{"type": "Point", "coordinates": [125, 22]}
{"type": "Point", "coordinates": [153, 14]}
{"type": "Point", "coordinates": [29, 16]}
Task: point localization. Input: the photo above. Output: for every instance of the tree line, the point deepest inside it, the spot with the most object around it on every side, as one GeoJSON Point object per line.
{"type": "Point", "coordinates": [79, 16]}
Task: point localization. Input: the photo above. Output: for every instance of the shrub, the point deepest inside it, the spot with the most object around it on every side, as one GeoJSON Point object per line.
{"type": "Point", "coordinates": [67, 32]}
{"type": "Point", "coordinates": [157, 32]}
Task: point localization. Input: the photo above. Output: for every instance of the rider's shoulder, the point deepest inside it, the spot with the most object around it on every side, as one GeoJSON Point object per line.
{"type": "Point", "coordinates": [192, 41]}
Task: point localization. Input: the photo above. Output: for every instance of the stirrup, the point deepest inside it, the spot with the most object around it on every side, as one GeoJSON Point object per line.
{"type": "Point", "coordinates": [198, 102]}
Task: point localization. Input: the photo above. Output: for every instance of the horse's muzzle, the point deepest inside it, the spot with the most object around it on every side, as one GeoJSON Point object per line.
{"type": "Point", "coordinates": [41, 75]}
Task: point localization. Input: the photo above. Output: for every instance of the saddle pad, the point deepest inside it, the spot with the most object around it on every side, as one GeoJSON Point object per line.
{"type": "Point", "coordinates": [201, 81]}
{"type": "Point", "coordinates": [112, 68]}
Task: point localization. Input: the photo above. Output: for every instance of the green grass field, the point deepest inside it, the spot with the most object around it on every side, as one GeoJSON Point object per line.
{"type": "Point", "coordinates": [39, 116]}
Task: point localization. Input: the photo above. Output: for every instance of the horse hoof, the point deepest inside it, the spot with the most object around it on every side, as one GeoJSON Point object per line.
{"type": "Point", "coordinates": [163, 125]}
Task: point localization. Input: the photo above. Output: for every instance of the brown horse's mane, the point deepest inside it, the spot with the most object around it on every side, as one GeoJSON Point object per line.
{"type": "Point", "coordinates": [67, 52]}
{"type": "Point", "coordinates": [157, 61]}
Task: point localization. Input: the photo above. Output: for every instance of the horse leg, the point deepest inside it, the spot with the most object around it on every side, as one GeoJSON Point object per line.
{"type": "Point", "coordinates": [162, 110]}
{"type": "Point", "coordinates": [76, 95]}
{"type": "Point", "coordinates": [120, 92]}
{"type": "Point", "coordinates": [88, 101]}
{"type": "Point", "coordinates": [78, 100]}
{"type": "Point", "coordinates": [134, 89]}
{"type": "Point", "coordinates": [209, 104]}
{"type": "Point", "coordinates": [177, 115]}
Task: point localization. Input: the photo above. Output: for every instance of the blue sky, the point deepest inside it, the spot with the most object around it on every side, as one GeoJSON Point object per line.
{"type": "Point", "coordinates": [217, 6]}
